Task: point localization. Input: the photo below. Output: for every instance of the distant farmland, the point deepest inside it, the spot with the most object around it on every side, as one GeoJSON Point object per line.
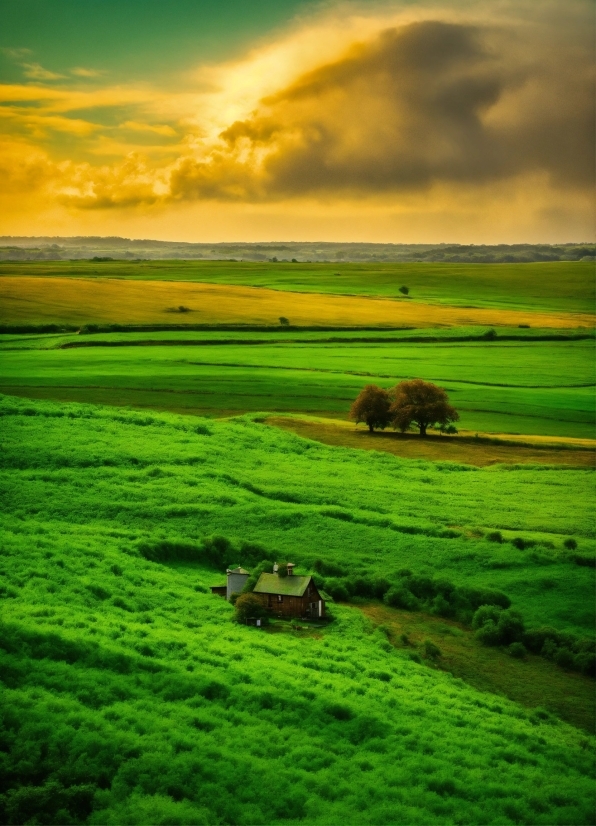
{"type": "Point", "coordinates": [32, 300]}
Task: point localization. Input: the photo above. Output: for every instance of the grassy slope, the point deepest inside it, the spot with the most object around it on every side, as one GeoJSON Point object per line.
{"type": "Point", "coordinates": [529, 387]}
{"type": "Point", "coordinates": [531, 682]}
{"type": "Point", "coordinates": [130, 697]}
{"type": "Point", "coordinates": [552, 286]}
{"type": "Point", "coordinates": [302, 498]}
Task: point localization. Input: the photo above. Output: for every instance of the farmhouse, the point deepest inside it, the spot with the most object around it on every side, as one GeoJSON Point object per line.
{"type": "Point", "coordinates": [289, 595]}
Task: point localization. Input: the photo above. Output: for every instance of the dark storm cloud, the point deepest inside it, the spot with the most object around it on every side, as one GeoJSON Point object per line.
{"type": "Point", "coordinates": [431, 102]}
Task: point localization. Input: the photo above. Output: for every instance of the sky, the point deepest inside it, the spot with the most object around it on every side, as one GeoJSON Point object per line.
{"type": "Point", "coordinates": [470, 121]}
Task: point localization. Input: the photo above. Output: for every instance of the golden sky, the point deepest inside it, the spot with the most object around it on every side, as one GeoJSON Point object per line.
{"type": "Point", "coordinates": [464, 122]}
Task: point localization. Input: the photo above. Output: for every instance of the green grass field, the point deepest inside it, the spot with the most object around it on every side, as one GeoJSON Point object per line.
{"type": "Point", "coordinates": [549, 287]}
{"type": "Point", "coordinates": [530, 387]}
{"type": "Point", "coordinates": [131, 697]}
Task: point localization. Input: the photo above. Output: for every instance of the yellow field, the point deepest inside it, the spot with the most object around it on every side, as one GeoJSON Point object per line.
{"type": "Point", "coordinates": [464, 447]}
{"type": "Point", "coordinates": [30, 300]}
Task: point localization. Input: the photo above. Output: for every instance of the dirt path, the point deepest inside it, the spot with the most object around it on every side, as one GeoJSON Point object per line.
{"type": "Point", "coordinates": [464, 448]}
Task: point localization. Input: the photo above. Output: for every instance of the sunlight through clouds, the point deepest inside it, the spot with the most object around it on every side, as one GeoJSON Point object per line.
{"type": "Point", "coordinates": [407, 108]}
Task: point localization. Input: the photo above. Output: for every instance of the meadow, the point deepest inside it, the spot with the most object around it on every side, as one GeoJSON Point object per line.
{"type": "Point", "coordinates": [523, 386]}
{"type": "Point", "coordinates": [550, 287]}
{"type": "Point", "coordinates": [130, 696]}
{"type": "Point", "coordinates": [76, 301]}
{"type": "Point", "coordinates": [160, 423]}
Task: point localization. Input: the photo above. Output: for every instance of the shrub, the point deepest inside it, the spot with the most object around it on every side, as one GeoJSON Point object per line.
{"type": "Point", "coordinates": [511, 626]}
{"type": "Point", "coordinates": [383, 676]}
{"type": "Point", "coordinates": [484, 614]}
{"type": "Point", "coordinates": [404, 290]}
{"type": "Point", "coordinates": [570, 544]}
{"type": "Point", "coordinates": [564, 658]}
{"type": "Point", "coordinates": [495, 536]}
{"type": "Point", "coordinates": [497, 626]}
{"type": "Point", "coordinates": [519, 543]}
{"type": "Point", "coordinates": [517, 650]}
{"type": "Point", "coordinates": [431, 650]}
{"type": "Point", "coordinates": [441, 607]}
{"type": "Point", "coordinates": [327, 568]}
{"type": "Point", "coordinates": [339, 711]}
{"type": "Point", "coordinates": [400, 597]}
{"type": "Point", "coordinates": [488, 634]}
{"type": "Point", "coordinates": [284, 322]}
{"type": "Point", "coordinates": [585, 662]}
{"type": "Point", "coordinates": [534, 640]}
{"type": "Point", "coordinates": [248, 606]}
{"type": "Point", "coordinates": [266, 565]}
{"type": "Point", "coordinates": [214, 550]}
{"type": "Point", "coordinates": [586, 561]}
{"type": "Point", "coordinates": [336, 589]}
{"type": "Point", "coordinates": [49, 803]}
{"type": "Point", "coordinates": [475, 597]}
{"type": "Point", "coordinates": [423, 587]}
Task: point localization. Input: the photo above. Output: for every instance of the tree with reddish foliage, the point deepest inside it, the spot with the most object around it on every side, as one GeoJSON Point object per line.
{"type": "Point", "coordinates": [372, 406]}
{"type": "Point", "coordinates": [422, 404]}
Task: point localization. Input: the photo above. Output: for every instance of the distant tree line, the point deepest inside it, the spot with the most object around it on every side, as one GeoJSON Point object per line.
{"type": "Point", "coordinates": [19, 248]}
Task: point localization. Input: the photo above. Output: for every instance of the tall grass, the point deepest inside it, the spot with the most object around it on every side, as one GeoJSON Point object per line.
{"type": "Point", "coordinates": [130, 696]}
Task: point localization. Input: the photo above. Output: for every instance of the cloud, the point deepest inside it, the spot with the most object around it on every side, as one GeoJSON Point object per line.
{"type": "Point", "coordinates": [154, 128]}
{"type": "Point", "coordinates": [15, 54]}
{"type": "Point", "coordinates": [24, 169]}
{"type": "Point", "coordinates": [131, 183]}
{"type": "Point", "coordinates": [80, 71]}
{"type": "Point", "coordinates": [430, 102]}
{"type": "Point", "coordinates": [427, 113]}
{"type": "Point", "coordinates": [40, 124]}
{"type": "Point", "coordinates": [37, 72]}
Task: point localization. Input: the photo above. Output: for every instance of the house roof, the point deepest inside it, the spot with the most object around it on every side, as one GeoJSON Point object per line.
{"type": "Point", "coordinates": [292, 586]}
{"type": "Point", "coordinates": [238, 571]}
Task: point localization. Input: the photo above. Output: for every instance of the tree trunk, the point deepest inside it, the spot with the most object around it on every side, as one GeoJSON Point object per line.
{"type": "Point", "coordinates": [422, 429]}
{"type": "Point", "coordinates": [370, 427]}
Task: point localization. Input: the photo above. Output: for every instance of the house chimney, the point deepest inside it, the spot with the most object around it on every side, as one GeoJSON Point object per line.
{"type": "Point", "coordinates": [290, 568]}
{"type": "Point", "coordinates": [275, 567]}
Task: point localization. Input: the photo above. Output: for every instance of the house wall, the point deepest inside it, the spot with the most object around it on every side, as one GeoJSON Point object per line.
{"type": "Point", "coordinates": [293, 606]}
{"type": "Point", "coordinates": [312, 596]}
